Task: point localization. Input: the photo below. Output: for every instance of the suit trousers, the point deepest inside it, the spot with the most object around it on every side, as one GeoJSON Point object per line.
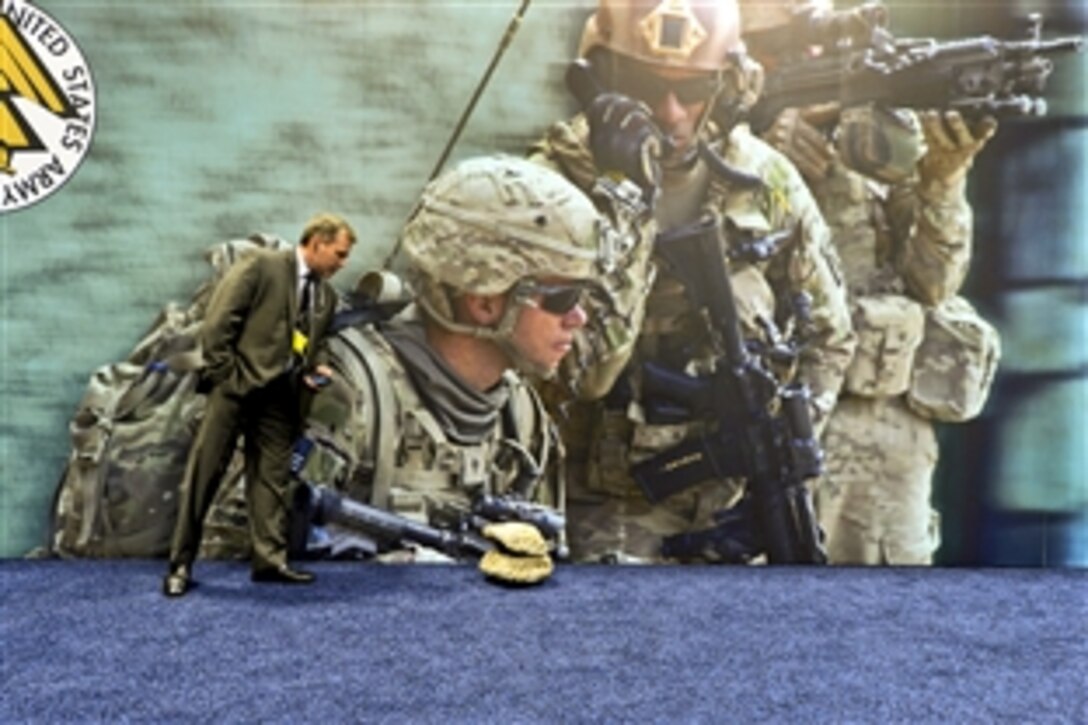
{"type": "Point", "coordinates": [269, 421]}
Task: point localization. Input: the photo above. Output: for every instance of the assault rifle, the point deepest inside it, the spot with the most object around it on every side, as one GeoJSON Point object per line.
{"type": "Point", "coordinates": [759, 429]}
{"type": "Point", "coordinates": [380, 530]}
{"type": "Point", "coordinates": [977, 76]}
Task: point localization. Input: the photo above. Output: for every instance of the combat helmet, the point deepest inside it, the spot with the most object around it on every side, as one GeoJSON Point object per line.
{"type": "Point", "coordinates": [625, 36]}
{"type": "Point", "coordinates": [492, 225]}
{"type": "Point", "coordinates": [689, 34]}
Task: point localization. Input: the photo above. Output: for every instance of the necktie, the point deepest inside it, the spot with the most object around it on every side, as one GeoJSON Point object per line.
{"type": "Point", "coordinates": [305, 305]}
{"type": "Point", "coordinates": [304, 322]}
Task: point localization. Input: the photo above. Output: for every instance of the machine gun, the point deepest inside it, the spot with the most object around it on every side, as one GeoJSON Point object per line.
{"type": "Point", "coordinates": [977, 76]}
{"type": "Point", "coordinates": [510, 554]}
{"type": "Point", "coordinates": [381, 530]}
{"type": "Point", "coordinates": [320, 506]}
{"type": "Point", "coordinates": [759, 429]}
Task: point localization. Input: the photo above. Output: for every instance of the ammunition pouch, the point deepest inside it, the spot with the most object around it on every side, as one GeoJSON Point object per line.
{"type": "Point", "coordinates": [955, 364]}
{"type": "Point", "coordinates": [889, 328]}
{"type": "Point", "coordinates": [619, 442]}
{"type": "Point", "coordinates": [609, 455]}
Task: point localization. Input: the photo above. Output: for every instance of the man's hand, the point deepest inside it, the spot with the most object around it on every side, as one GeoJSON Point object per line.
{"type": "Point", "coordinates": [625, 141]}
{"type": "Point", "coordinates": [318, 378]}
{"type": "Point", "coordinates": [952, 145]}
{"type": "Point", "coordinates": [795, 135]}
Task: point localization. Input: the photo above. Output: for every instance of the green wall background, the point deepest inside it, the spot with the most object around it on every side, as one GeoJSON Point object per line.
{"type": "Point", "coordinates": [216, 120]}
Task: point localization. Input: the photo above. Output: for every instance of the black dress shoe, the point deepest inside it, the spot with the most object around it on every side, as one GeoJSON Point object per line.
{"type": "Point", "coordinates": [282, 574]}
{"type": "Point", "coordinates": [177, 582]}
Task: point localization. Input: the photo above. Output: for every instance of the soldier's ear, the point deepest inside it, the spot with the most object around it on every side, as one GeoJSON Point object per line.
{"type": "Point", "coordinates": [484, 310]}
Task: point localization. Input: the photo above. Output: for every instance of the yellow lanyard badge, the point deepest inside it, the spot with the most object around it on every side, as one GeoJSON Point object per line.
{"type": "Point", "coordinates": [300, 343]}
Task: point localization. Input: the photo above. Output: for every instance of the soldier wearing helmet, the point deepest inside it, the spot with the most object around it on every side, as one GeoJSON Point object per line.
{"type": "Point", "coordinates": [891, 186]}
{"type": "Point", "coordinates": [510, 233]}
{"type": "Point", "coordinates": [665, 80]}
{"type": "Point", "coordinates": [427, 410]}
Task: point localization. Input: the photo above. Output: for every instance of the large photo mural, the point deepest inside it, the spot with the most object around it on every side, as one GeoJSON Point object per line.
{"type": "Point", "coordinates": [146, 148]}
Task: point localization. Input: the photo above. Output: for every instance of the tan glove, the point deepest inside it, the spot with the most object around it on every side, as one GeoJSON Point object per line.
{"type": "Point", "coordinates": [794, 134]}
{"type": "Point", "coordinates": [520, 555]}
{"type": "Point", "coordinates": [952, 146]}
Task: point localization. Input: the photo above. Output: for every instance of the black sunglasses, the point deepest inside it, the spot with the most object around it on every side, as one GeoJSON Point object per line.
{"type": "Point", "coordinates": [643, 85]}
{"type": "Point", "coordinates": [556, 299]}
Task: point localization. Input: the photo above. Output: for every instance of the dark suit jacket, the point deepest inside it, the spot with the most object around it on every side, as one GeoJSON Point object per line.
{"type": "Point", "coordinates": [250, 320]}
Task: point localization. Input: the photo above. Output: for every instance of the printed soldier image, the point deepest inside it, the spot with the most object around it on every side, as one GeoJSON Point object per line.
{"type": "Point", "coordinates": [891, 184]}
{"type": "Point", "coordinates": [430, 413]}
{"type": "Point", "coordinates": [644, 338]}
{"type": "Point", "coordinates": [779, 313]}
{"type": "Point", "coordinates": [651, 76]}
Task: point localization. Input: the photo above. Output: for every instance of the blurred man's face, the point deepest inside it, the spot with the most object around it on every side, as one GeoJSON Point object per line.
{"type": "Point", "coordinates": [678, 98]}
{"type": "Point", "coordinates": [678, 115]}
{"type": "Point", "coordinates": [327, 256]}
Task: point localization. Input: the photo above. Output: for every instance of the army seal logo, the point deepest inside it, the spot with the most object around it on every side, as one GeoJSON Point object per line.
{"type": "Point", "coordinates": [47, 105]}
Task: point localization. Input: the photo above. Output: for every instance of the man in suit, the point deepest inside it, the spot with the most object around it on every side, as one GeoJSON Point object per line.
{"type": "Point", "coordinates": [262, 324]}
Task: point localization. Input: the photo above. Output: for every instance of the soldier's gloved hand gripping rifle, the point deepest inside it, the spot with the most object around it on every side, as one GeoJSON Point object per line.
{"type": "Point", "coordinates": [759, 429]}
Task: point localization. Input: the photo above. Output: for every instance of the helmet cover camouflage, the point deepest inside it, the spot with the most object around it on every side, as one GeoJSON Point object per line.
{"type": "Point", "coordinates": [492, 221]}
{"type": "Point", "coordinates": [691, 34]}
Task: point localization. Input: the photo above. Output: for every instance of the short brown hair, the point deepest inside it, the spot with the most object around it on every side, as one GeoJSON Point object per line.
{"type": "Point", "coordinates": [326, 226]}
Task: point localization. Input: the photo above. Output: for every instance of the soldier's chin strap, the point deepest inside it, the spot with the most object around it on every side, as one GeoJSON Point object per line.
{"type": "Point", "coordinates": [501, 334]}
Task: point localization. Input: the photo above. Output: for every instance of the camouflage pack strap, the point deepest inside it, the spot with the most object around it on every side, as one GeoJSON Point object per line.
{"type": "Point", "coordinates": [103, 404]}
{"type": "Point", "coordinates": [151, 381]}
{"type": "Point", "coordinates": [521, 409]}
{"type": "Point", "coordinates": [376, 373]}
{"type": "Point", "coordinates": [91, 437]}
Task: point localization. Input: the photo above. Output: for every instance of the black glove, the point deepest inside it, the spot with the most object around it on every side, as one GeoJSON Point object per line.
{"type": "Point", "coordinates": [624, 140]}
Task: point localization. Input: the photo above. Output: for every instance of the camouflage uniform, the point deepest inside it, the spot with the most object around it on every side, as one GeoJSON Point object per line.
{"type": "Point", "coordinates": [382, 436]}
{"type": "Point", "coordinates": [923, 354]}
{"type": "Point", "coordinates": [904, 231]}
{"type": "Point", "coordinates": [608, 516]}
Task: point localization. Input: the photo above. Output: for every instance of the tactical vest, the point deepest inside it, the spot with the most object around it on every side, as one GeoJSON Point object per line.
{"type": "Point", "coordinates": [942, 358]}
{"type": "Point", "coordinates": [376, 440]}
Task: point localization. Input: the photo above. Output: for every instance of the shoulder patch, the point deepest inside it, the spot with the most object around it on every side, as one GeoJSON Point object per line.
{"type": "Point", "coordinates": [776, 197]}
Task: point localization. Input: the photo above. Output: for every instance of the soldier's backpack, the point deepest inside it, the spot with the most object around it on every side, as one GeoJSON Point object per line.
{"type": "Point", "coordinates": [118, 493]}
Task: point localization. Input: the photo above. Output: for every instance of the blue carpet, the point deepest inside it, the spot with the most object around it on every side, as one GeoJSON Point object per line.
{"type": "Point", "coordinates": [94, 641]}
